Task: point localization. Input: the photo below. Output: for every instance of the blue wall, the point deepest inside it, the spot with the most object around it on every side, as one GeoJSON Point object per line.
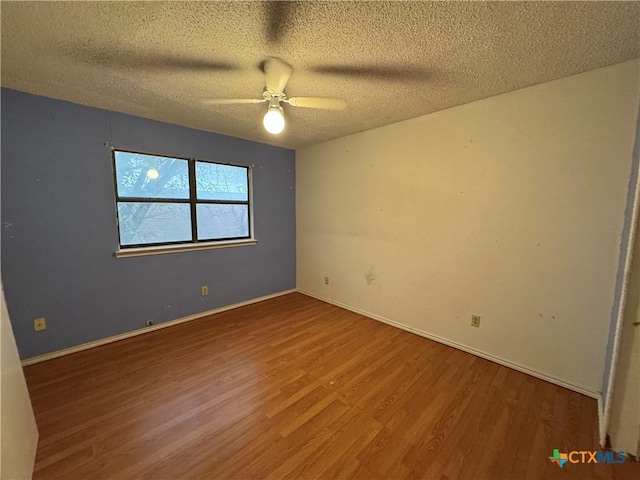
{"type": "Point", "coordinates": [59, 229]}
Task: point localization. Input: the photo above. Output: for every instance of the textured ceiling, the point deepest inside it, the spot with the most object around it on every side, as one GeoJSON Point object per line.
{"type": "Point", "coordinates": [390, 60]}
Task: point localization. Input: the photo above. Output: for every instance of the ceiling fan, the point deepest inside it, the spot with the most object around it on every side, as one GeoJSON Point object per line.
{"type": "Point", "coordinates": [277, 73]}
{"type": "Point", "coordinates": [279, 16]}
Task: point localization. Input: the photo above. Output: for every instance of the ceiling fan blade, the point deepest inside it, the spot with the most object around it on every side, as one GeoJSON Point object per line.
{"type": "Point", "coordinates": [175, 63]}
{"type": "Point", "coordinates": [124, 58]}
{"type": "Point", "coordinates": [277, 73]}
{"type": "Point", "coordinates": [381, 72]}
{"type": "Point", "coordinates": [278, 18]}
{"type": "Point", "coordinates": [318, 102]}
{"type": "Point", "coordinates": [232, 101]}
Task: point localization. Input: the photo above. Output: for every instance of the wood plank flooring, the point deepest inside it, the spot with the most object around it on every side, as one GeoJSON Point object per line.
{"type": "Point", "coordinates": [296, 388]}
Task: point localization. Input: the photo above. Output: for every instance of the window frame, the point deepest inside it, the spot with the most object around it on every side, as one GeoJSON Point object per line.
{"type": "Point", "coordinates": [194, 243]}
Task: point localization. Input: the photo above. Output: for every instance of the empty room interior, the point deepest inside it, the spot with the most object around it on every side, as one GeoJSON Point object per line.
{"type": "Point", "coordinates": [337, 240]}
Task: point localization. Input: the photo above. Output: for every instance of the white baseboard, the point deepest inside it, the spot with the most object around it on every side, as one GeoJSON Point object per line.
{"type": "Point", "coordinates": [133, 333]}
{"type": "Point", "coordinates": [521, 368]}
{"type": "Point", "coordinates": [464, 348]}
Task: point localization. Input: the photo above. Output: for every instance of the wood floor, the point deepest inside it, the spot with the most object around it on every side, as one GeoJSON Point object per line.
{"type": "Point", "coordinates": [295, 388]}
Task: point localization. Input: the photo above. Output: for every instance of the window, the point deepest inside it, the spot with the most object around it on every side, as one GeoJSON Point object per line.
{"type": "Point", "coordinates": [170, 201]}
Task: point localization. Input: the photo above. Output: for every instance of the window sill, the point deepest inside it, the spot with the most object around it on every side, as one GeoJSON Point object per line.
{"type": "Point", "coordinates": [185, 247]}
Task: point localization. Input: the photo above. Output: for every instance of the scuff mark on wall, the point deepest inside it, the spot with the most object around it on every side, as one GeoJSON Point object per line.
{"type": "Point", "coordinates": [370, 276]}
{"type": "Point", "coordinates": [8, 226]}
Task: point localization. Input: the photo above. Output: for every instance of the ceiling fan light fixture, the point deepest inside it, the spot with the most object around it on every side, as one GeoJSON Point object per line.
{"type": "Point", "coordinates": [273, 120]}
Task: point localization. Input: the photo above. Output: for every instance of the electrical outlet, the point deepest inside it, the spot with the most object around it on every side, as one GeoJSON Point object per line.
{"type": "Point", "coordinates": [39, 324]}
{"type": "Point", "coordinates": [326, 280]}
{"type": "Point", "coordinates": [149, 323]}
{"type": "Point", "coordinates": [205, 290]}
{"type": "Point", "coordinates": [475, 321]}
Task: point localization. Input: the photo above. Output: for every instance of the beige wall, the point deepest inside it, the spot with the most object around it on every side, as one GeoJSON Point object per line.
{"type": "Point", "coordinates": [19, 432]}
{"type": "Point", "coordinates": [510, 208]}
{"type": "Point", "coordinates": [624, 428]}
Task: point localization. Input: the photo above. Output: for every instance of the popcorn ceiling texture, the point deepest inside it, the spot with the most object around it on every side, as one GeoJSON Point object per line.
{"type": "Point", "coordinates": [390, 60]}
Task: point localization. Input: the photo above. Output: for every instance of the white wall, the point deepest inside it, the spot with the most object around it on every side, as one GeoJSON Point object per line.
{"type": "Point", "coordinates": [19, 432]}
{"type": "Point", "coordinates": [510, 208]}
{"type": "Point", "coordinates": [624, 429]}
